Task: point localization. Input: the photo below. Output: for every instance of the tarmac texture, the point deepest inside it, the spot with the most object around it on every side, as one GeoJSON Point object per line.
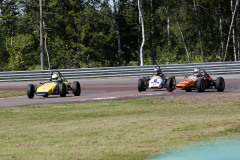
{"type": "Point", "coordinates": [106, 89]}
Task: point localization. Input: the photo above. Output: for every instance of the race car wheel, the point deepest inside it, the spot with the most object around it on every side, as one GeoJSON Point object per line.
{"type": "Point", "coordinates": [76, 88]}
{"type": "Point", "coordinates": [30, 91]}
{"type": "Point", "coordinates": [140, 83]}
{"type": "Point", "coordinates": [220, 84]}
{"type": "Point", "coordinates": [62, 90]}
{"type": "Point", "coordinates": [201, 85]}
{"type": "Point", "coordinates": [171, 82]}
{"type": "Point", "coordinates": [188, 90]}
{"type": "Point", "coordinates": [144, 81]}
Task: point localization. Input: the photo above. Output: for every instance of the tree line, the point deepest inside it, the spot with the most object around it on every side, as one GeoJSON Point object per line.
{"type": "Point", "coordinates": [96, 33]}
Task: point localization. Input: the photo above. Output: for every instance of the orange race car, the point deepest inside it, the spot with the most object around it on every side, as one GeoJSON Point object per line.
{"type": "Point", "coordinates": [200, 81]}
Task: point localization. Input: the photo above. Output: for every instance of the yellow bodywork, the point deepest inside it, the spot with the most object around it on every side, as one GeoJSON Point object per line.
{"type": "Point", "coordinates": [49, 88]}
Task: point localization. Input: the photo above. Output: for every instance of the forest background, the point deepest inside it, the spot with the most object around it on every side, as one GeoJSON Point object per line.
{"type": "Point", "coordinates": [104, 33]}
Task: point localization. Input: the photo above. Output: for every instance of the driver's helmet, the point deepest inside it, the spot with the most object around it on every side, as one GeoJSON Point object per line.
{"type": "Point", "coordinates": [55, 77]}
{"type": "Point", "coordinates": [157, 71]}
{"type": "Point", "coordinates": [197, 72]}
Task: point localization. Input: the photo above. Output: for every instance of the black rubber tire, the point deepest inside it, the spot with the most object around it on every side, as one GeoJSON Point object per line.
{"type": "Point", "coordinates": [201, 85]}
{"type": "Point", "coordinates": [76, 88]}
{"type": "Point", "coordinates": [62, 90]}
{"type": "Point", "coordinates": [220, 84]}
{"type": "Point", "coordinates": [140, 87]}
{"type": "Point", "coordinates": [30, 91]}
{"type": "Point", "coordinates": [45, 96]}
{"type": "Point", "coordinates": [171, 82]}
{"type": "Point", "coordinates": [144, 85]}
{"type": "Point", "coordinates": [188, 90]}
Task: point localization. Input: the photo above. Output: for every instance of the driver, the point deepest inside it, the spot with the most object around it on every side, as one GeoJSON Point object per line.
{"type": "Point", "coordinates": [55, 77]}
{"type": "Point", "coordinates": [158, 72]}
{"type": "Point", "coordinates": [197, 73]}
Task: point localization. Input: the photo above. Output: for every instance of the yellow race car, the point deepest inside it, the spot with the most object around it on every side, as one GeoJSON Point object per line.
{"type": "Point", "coordinates": [58, 85]}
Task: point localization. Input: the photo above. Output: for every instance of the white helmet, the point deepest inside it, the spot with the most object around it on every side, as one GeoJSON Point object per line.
{"type": "Point", "coordinates": [55, 77]}
{"type": "Point", "coordinates": [197, 71]}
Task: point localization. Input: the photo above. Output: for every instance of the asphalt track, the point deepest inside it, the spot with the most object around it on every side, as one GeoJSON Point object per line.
{"type": "Point", "coordinates": [105, 89]}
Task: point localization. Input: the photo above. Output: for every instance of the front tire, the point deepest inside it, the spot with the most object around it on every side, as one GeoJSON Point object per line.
{"type": "Point", "coordinates": [30, 91]}
{"type": "Point", "coordinates": [201, 85]}
{"type": "Point", "coordinates": [171, 82]}
{"type": "Point", "coordinates": [76, 88]}
{"type": "Point", "coordinates": [220, 84]}
{"type": "Point", "coordinates": [62, 90]}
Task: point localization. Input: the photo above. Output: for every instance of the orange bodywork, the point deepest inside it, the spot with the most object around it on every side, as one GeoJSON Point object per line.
{"type": "Point", "coordinates": [185, 84]}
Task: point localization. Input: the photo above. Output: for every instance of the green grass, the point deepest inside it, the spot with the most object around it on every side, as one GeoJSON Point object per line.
{"type": "Point", "coordinates": [132, 129]}
{"type": "Point", "coordinates": [11, 94]}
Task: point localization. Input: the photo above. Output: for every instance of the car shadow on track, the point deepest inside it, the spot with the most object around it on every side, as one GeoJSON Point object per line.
{"type": "Point", "coordinates": [54, 97]}
{"type": "Point", "coordinates": [158, 90]}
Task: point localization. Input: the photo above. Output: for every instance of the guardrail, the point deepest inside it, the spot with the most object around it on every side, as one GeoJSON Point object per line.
{"type": "Point", "coordinates": [125, 71]}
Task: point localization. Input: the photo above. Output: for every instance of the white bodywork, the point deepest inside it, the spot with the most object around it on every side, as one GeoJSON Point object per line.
{"type": "Point", "coordinates": [156, 82]}
{"type": "Point", "coordinates": [195, 78]}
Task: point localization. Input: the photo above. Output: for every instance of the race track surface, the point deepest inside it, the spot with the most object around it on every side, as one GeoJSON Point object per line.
{"type": "Point", "coordinates": [105, 89]}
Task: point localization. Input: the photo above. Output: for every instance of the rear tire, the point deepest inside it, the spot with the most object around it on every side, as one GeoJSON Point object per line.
{"type": "Point", "coordinates": [76, 88]}
{"type": "Point", "coordinates": [201, 85]}
{"type": "Point", "coordinates": [140, 87]}
{"type": "Point", "coordinates": [171, 82]}
{"type": "Point", "coordinates": [220, 84]}
{"type": "Point", "coordinates": [30, 91]}
{"type": "Point", "coordinates": [62, 90]}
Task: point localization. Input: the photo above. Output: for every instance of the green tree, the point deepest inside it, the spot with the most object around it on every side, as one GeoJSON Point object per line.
{"type": "Point", "coordinates": [8, 16]}
{"type": "Point", "coordinates": [21, 51]}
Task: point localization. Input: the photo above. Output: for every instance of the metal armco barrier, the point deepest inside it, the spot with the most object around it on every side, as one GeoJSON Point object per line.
{"type": "Point", "coordinates": [126, 71]}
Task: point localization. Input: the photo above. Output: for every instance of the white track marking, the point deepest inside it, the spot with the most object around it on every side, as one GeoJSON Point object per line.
{"type": "Point", "coordinates": [109, 98]}
{"type": "Point", "coordinates": [104, 98]}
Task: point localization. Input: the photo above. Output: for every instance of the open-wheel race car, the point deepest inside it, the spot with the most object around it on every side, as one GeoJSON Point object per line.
{"type": "Point", "coordinates": [200, 80]}
{"type": "Point", "coordinates": [58, 85]}
{"type": "Point", "coordinates": [156, 81]}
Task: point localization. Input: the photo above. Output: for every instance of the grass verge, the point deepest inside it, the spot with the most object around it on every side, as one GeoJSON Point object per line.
{"type": "Point", "coordinates": [11, 94]}
{"type": "Point", "coordinates": [132, 129]}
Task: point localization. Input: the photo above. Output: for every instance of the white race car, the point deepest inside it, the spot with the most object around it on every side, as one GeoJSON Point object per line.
{"type": "Point", "coordinates": [156, 82]}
